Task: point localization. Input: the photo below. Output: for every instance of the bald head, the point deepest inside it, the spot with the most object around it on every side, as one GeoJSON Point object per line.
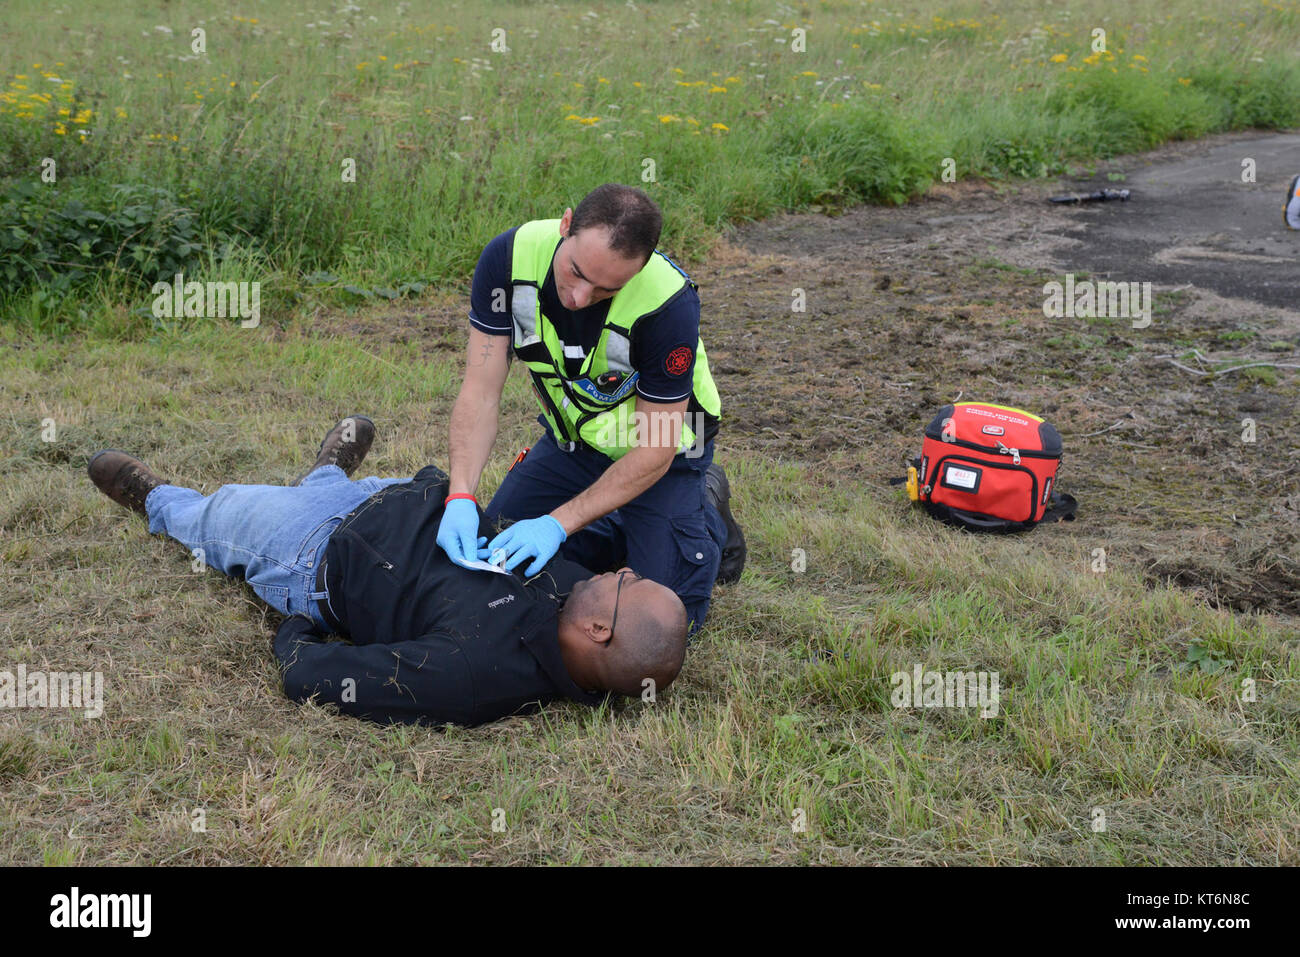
{"type": "Point", "coordinates": [648, 640]}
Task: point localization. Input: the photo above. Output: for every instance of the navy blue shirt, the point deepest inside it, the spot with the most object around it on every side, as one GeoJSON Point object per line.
{"type": "Point", "coordinates": [663, 344]}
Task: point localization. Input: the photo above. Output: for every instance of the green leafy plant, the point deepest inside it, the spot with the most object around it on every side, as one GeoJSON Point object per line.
{"type": "Point", "coordinates": [141, 231]}
{"type": "Point", "coordinates": [1206, 659]}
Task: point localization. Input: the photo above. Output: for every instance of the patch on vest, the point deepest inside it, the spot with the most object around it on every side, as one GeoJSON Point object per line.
{"type": "Point", "coordinates": [607, 398]}
{"type": "Point", "coordinates": [678, 361]}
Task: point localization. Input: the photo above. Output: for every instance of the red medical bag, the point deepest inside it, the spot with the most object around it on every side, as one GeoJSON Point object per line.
{"type": "Point", "coordinates": [989, 468]}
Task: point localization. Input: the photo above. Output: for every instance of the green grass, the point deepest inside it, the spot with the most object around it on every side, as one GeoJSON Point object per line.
{"type": "Point", "coordinates": [784, 704]}
{"type": "Point", "coordinates": [714, 111]}
{"type": "Point", "coordinates": [1115, 696]}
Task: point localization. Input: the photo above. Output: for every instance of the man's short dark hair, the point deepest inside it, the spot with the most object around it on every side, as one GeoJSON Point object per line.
{"type": "Point", "coordinates": [633, 219]}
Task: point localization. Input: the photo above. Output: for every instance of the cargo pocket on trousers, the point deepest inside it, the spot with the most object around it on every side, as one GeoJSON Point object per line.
{"type": "Point", "coordinates": [698, 557]}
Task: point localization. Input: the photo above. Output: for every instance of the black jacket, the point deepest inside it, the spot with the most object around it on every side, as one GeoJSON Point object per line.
{"type": "Point", "coordinates": [431, 642]}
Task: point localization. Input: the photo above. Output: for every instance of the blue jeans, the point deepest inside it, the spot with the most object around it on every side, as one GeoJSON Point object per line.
{"type": "Point", "coordinates": [272, 536]}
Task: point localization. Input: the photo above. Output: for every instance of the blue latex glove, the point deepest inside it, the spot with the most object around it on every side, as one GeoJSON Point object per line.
{"type": "Point", "coordinates": [458, 530]}
{"type": "Point", "coordinates": [536, 538]}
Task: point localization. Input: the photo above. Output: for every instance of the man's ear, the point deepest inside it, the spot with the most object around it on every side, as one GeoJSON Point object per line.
{"type": "Point", "coordinates": [596, 631]}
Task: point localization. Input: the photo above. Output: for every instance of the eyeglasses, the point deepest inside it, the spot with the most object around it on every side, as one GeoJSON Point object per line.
{"type": "Point", "coordinates": [617, 593]}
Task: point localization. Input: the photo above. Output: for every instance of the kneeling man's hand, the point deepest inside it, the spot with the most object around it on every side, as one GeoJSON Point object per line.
{"type": "Point", "coordinates": [536, 538]}
{"type": "Point", "coordinates": [458, 530]}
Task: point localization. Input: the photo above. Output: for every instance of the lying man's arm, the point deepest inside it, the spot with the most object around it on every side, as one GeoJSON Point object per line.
{"type": "Point", "coordinates": [426, 680]}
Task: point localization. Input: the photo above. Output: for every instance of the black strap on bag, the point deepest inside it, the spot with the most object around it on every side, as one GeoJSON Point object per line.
{"type": "Point", "coordinates": [1061, 508]}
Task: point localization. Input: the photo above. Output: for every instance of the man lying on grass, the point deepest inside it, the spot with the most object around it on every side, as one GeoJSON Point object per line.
{"type": "Point", "coordinates": [430, 641]}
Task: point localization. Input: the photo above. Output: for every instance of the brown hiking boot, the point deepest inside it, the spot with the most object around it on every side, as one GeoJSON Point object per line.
{"type": "Point", "coordinates": [123, 478]}
{"type": "Point", "coordinates": [345, 445]}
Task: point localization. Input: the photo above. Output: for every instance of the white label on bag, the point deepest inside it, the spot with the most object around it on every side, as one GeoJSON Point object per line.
{"type": "Point", "coordinates": [963, 477]}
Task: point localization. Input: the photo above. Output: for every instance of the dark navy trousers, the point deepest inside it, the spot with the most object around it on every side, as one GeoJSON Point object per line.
{"type": "Point", "coordinates": [670, 533]}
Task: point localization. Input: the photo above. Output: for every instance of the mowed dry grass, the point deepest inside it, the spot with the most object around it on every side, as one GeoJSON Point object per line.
{"type": "Point", "coordinates": [784, 703]}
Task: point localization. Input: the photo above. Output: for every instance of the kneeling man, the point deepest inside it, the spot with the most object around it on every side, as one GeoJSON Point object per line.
{"type": "Point", "coordinates": [430, 641]}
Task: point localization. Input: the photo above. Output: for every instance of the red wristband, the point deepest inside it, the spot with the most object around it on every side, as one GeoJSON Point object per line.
{"type": "Point", "coordinates": [460, 495]}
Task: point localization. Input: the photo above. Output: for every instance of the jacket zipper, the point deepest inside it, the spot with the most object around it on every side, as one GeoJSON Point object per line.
{"type": "Point", "coordinates": [380, 560]}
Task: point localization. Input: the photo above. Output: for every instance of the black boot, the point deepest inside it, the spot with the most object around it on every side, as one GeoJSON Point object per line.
{"type": "Point", "coordinates": [733, 552]}
{"type": "Point", "coordinates": [123, 478]}
{"type": "Point", "coordinates": [345, 445]}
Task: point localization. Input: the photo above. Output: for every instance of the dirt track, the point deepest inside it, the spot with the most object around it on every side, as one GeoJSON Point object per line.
{"type": "Point", "coordinates": [911, 308]}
